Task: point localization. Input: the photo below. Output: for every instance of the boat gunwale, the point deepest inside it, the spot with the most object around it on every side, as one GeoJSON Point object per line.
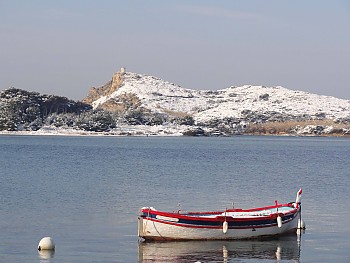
{"type": "Point", "coordinates": [220, 215]}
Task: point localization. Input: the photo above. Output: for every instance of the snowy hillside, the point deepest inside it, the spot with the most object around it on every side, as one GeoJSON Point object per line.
{"type": "Point", "coordinates": [251, 103]}
{"type": "Point", "coordinates": [135, 104]}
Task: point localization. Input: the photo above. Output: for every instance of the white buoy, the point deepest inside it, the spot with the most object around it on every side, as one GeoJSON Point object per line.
{"type": "Point", "coordinates": [46, 243]}
{"type": "Point", "coordinates": [225, 227]}
{"type": "Point", "coordinates": [301, 224]}
{"type": "Point", "coordinates": [279, 221]}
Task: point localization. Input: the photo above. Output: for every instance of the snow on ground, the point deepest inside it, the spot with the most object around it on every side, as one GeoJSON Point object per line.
{"type": "Point", "coordinates": [204, 105]}
{"type": "Point", "coordinates": [124, 130]}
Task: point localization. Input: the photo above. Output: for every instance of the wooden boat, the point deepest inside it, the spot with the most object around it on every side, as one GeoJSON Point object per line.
{"type": "Point", "coordinates": [272, 220]}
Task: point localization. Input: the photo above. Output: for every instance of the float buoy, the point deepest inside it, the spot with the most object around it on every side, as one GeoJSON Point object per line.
{"type": "Point", "coordinates": [225, 227]}
{"type": "Point", "coordinates": [279, 221]}
{"type": "Point", "coordinates": [46, 243]}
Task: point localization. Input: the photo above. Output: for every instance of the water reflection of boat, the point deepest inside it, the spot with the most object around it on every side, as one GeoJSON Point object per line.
{"type": "Point", "coordinates": [282, 248]}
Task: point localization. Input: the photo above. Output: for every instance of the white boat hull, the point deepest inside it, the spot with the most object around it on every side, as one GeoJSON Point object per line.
{"type": "Point", "coordinates": [155, 230]}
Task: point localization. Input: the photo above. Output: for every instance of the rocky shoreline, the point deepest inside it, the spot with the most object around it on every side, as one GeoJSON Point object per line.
{"type": "Point", "coordinates": [185, 130]}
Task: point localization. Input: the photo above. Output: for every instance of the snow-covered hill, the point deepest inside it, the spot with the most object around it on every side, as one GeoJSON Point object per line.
{"type": "Point", "coordinates": [252, 103]}
{"type": "Point", "coordinates": [135, 104]}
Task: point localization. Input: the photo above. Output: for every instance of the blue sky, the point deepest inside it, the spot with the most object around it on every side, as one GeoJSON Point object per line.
{"type": "Point", "coordinates": [65, 47]}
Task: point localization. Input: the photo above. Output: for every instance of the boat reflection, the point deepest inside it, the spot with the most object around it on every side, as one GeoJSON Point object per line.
{"type": "Point", "coordinates": [282, 248]}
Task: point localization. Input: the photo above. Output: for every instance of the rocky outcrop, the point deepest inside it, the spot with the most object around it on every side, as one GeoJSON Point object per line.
{"type": "Point", "coordinates": [107, 89]}
{"type": "Point", "coordinates": [121, 104]}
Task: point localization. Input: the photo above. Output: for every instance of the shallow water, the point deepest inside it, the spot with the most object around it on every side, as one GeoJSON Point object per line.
{"type": "Point", "coordinates": [85, 192]}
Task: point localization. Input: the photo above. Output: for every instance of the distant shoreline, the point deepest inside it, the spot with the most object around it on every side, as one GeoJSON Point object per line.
{"type": "Point", "coordinates": [143, 133]}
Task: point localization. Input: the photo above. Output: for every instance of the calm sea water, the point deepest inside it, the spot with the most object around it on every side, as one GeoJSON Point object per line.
{"type": "Point", "coordinates": [85, 192]}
